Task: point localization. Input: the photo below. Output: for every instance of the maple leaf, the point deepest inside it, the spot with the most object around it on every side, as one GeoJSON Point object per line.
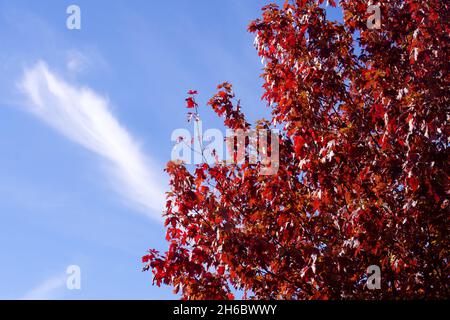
{"type": "Point", "coordinates": [363, 169]}
{"type": "Point", "coordinates": [190, 103]}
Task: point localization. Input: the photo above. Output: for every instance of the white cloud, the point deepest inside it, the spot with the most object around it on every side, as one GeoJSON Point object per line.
{"type": "Point", "coordinates": [84, 116]}
{"type": "Point", "coordinates": [46, 290]}
{"type": "Point", "coordinates": [76, 61]}
{"type": "Point", "coordinates": [79, 61]}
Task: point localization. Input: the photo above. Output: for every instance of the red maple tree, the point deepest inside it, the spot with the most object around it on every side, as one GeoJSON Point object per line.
{"type": "Point", "coordinates": [363, 165]}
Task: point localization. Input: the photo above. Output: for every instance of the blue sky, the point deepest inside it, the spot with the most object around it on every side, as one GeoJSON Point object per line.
{"type": "Point", "coordinates": [86, 118]}
{"type": "Point", "coordinates": [61, 202]}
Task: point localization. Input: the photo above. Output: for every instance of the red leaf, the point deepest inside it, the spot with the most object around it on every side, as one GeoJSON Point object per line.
{"type": "Point", "coordinates": [316, 204]}
{"type": "Point", "coordinates": [222, 94]}
{"type": "Point", "coordinates": [190, 103]}
{"type": "Point", "coordinates": [298, 143]}
{"type": "Point", "coordinates": [221, 270]}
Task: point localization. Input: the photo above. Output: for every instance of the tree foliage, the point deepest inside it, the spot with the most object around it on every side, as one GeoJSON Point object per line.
{"type": "Point", "coordinates": [363, 165]}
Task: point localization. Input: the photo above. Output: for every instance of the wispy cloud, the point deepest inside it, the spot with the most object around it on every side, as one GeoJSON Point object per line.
{"type": "Point", "coordinates": [46, 290]}
{"type": "Point", "coordinates": [79, 61]}
{"type": "Point", "coordinates": [76, 61]}
{"type": "Point", "coordinates": [84, 116]}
